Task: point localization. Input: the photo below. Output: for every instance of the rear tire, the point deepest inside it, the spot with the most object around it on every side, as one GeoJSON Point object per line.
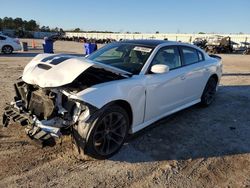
{"type": "Point", "coordinates": [7, 49]}
{"type": "Point", "coordinates": [105, 137]}
{"type": "Point", "coordinates": [209, 92]}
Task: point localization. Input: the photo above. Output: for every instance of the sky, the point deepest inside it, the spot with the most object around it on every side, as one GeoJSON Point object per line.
{"type": "Point", "coordinates": [147, 16]}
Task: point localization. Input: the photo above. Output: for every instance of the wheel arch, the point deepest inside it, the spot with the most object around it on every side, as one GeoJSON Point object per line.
{"type": "Point", "coordinates": [203, 101]}
{"type": "Point", "coordinates": [127, 107]}
{"type": "Point", "coordinates": [82, 134]}
{"type": "Point", "coordinates": [215, 76]}
{"type": "Point", "coordinates": [86, 128]}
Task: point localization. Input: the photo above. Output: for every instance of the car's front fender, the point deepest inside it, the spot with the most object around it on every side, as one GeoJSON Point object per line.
{"type": "Point", "coordinates": [131, 90]}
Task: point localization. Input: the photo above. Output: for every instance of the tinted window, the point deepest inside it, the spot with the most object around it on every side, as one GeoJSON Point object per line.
{"type": "Point", "coordinates": [2, 38]}
{"type": "Point", "coordinates": [125, 56]}
{"type": "Point", "coordinates": [111, 53]}
{"type": "Point", "coordinates": [190, 55]}
{"type": "Point", "coordinates": [168, 56]}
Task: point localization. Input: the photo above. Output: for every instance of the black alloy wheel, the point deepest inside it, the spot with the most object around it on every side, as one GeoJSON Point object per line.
{"type": "Point", "coordinates": [7, 49]}
{"type": "Point", "coordinates": [209, 92]}
{"type": "Point", "coordinates": [104, 136]}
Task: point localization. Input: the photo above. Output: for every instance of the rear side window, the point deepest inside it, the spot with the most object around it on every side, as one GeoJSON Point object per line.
{"type": "Point", "coordinates": [190, 55]}
{"type": "Point", "coordinates": [2, 38]}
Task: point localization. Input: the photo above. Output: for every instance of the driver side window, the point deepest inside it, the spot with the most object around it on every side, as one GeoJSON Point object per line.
{"type": "Point", "coordinates": [168, 56]}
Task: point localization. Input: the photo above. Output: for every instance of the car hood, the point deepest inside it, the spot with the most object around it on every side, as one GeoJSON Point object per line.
{"type": "Point", "coordinates": [47, 70]}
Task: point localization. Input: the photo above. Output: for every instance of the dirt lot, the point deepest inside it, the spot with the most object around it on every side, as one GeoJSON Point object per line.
{"type": "Point", "coordinates": [197, 147]}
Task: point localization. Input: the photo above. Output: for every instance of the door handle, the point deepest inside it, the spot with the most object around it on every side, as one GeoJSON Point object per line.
{"type": "Point", "coordinates": [183, 77]}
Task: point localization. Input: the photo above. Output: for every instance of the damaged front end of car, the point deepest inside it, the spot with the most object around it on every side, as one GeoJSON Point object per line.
{"type": "Point", "coordinates": [46, 98]}
{"type": "Point", "coordinates": [45, 113]}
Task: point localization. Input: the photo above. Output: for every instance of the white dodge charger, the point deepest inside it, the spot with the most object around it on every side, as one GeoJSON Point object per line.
{"type": "Point", "coordinates": [118, 90]}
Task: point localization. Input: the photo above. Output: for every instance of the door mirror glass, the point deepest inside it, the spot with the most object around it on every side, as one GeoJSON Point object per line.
{"type": "Point", "coordinates": [159, 69]}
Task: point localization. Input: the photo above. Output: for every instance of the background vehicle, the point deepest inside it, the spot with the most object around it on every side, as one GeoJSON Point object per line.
{"type": "Point", "coordinates": [245, 48]}
{"type": "Point", "coordinates": [8, 44]}
{"type": "Point", "coordinates": [200, 42]}
{"type": "Point", "coordinates": [119, 89]}
{"type": "Point", "coordinates": [219, 44]}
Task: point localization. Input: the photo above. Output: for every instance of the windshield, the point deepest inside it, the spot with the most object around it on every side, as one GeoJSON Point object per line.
{"type": "Point", "coordinates": [125, 56]}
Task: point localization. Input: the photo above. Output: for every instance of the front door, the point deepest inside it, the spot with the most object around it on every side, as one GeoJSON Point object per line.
{"type": "Point", "coordinates": [165, 92]}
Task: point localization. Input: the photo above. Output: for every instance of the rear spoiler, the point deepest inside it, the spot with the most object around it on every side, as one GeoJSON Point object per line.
{"type": "Point", "coordinates": [215, 56]}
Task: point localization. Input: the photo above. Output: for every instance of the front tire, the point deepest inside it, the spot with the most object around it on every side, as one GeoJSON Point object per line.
{"type": "Point", "coordinates": [106, 135]}
{"type": "Point", "coordinates": [7, 49]}
{"type": "Point", "coordinates": [209, 92]}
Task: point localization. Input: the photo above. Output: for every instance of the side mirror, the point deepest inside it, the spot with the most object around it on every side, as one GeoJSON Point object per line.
{"type": "Point", "coordinates": [159, 69]}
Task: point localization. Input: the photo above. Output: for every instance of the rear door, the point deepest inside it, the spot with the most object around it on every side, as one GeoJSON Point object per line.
{"type": "Point", "coordinates": [196, 72]}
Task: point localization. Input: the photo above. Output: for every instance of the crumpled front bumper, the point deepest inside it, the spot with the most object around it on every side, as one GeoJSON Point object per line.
{"type": "Point", "coordinates": [15, 114]}
{"type": "Point", "coordinates": [34, 128]}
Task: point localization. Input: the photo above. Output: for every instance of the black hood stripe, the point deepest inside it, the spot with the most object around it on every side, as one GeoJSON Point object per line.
{"type": "Point", "coordinates": [49, 58]}
{"type": "Point", "coordinates": [59, 60]}
{"type": "Point", "coordinates": [55, 59]}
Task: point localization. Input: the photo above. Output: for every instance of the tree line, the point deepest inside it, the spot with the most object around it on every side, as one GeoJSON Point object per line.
{"type": "Point", "coordinates": [25, 25]}
{"type": "Point", "coordinates": [22, 27]}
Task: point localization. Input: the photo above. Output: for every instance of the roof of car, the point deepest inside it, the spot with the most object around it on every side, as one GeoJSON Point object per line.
{"type": "Point", "coordinates": [152, 43]}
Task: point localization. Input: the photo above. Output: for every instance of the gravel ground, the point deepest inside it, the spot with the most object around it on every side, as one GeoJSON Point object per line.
{"type": "Point", "coordinates": [197, 147]}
